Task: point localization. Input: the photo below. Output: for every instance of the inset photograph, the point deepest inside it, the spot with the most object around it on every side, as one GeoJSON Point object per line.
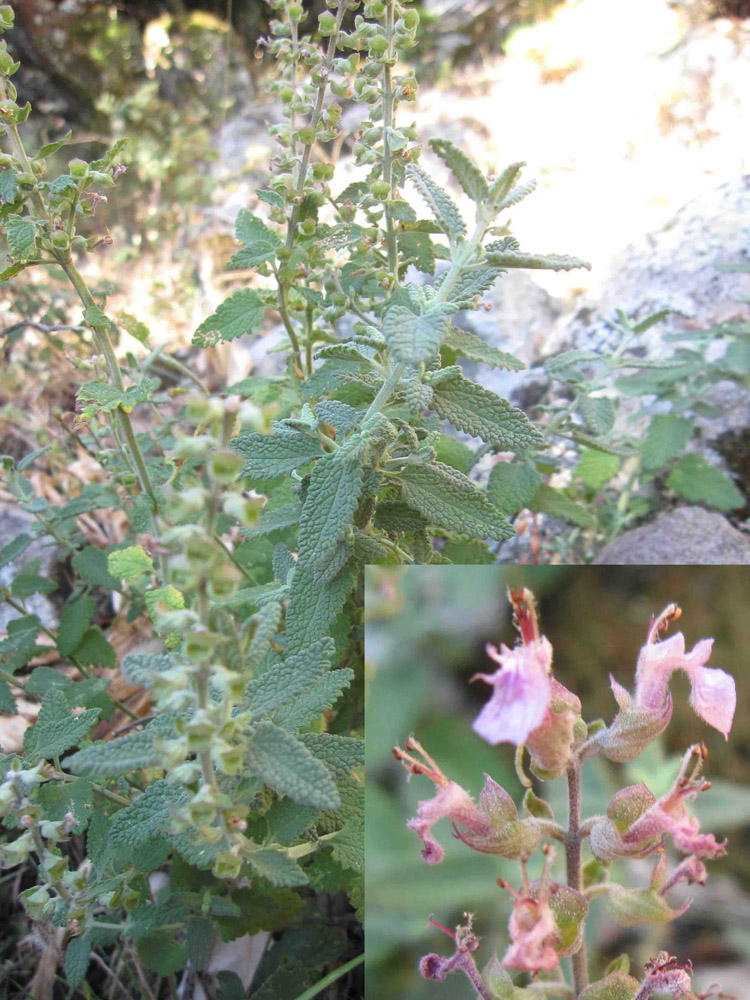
{"type": "Point", "coordinates": [557, 796]}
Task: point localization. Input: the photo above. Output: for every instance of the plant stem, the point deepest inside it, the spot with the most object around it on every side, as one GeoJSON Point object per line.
{"type": "Point", "coordinates": [574, 866]}
{"type": "Point", "coordinates": [342, 970]}
{"type": "Point", "coordinates": [387, 154]}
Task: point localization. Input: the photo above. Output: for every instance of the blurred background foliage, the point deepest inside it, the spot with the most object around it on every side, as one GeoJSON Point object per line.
{"type": "Point", "coordinates": [426, 631]}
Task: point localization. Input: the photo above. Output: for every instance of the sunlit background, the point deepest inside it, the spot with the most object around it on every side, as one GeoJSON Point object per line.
{"type": "Point", "coordinates": [426, 630]}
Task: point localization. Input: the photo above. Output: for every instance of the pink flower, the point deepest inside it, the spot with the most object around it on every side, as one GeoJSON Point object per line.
{"type": "Point", "coordinates": [713, 696]}
{"type": "Point", "coordinates": [669, 814]}
{"type": "Point", "coordinates": [522, 686]}
{"type": "Point", "coordinates": [665, 974]}
{"type": "Point", "coordinates": [450, 800]}
{"type": "Point", "coordinates": [535, 935]}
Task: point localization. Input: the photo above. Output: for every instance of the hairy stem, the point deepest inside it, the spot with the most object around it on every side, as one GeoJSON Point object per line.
{"type": "Point", "coordinates": [574, 866]}
{"type": "Point", "coordinates": [387, 153]}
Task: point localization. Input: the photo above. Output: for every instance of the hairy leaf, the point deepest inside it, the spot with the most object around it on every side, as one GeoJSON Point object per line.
{"type": "Point", "coordinates": [414, 339]}
{"type": "Point", "coordinates": [451, 500]}
{"type": "Point", "coordinates": [148, 816]}
{"type": "Point", "coordinates": [276, 866]}
{"type": "Point", "coordinates": [477, 410]}
{"type": "Point", "coordinates": [285, 764]}
{"type": "Point", "coordinates": [340, 753]}
{"type": "Point", "coordinates": [74, 622]}
{"type": "Point", "coordinates": [270, 455]}
{"type": "Point", "coordinates": [551, 501]}
{"type": "Point", "coordinates": [475, 349]}
{"type": "Point", "coordinates": [534, 261]}
{"type": "Point", "coordinates": [512, 486]}
{"type": "Point", "coordinates": [260, 242]}
{"type": "Point", "coordinates": [309, 705]}
{"type": "Point", "coordinates": [442, 205]}
{"type": "Point", "coordinates": [463, 168]}
{"type": "Point", "coordinates": [332, 497]}
{"type": "Point", "coordinates": [129, 564]}
{"type": "Point", "coordinates": [297, 672]}
{"type": "Point", "coordinates": [115, 757]}
{"type": "Point", "coordinates": [665, 440]}
{"type": "Point", "coordinates": [104, 398]}
{"type": "Point", "coordinates": [312, 606]}
{"type": "Point", "coordinates": [598, 412]}
{"type": "Point", "coordinates": [238, 315]}
{"type": "Point", "coordinates": [697, 481]}
{"type": "Point", "coordinates": [21, 233]}
{"type": "Point", "coordinates": [274, 520]}
{"type": "Point", "coordinates": [57, 729]}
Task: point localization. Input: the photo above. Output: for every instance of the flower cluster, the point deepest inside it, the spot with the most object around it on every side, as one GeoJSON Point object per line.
{"type": "Point", "coordinates": [530, 708]}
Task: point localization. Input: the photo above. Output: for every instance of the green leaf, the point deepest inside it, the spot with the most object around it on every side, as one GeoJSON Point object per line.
{"type": "Point", "coordinates": [91, 564]}
{"type": "Point", "coordinates": [276, 866]}
{"type": "Point", "coordinates": [279, 684]}
{"type": "Point", "coordinates": [452, 452]}
{"type": "Point", "coordinates": [534, 261]}
{"type": "Point", "coordinates": [595, 468]}
{"type": "Point", "coordinates": [95, 651]}
{"type": "Point", "coordinates": [148, 816]}
{"type": "Point", "coordinates": [8, 186]}
{"type": "Point", "coordinates": [200, 935]}
{"type": "Point", "coordinates": [332, 497]}
{"type": "Point", "coordinates": [441, 204]}
{"type": "Point", "coordinates": [312, 606]}
{"type": "Point", "coordinates": [274, 520]}
{"type": "Point", "coordinates": [27, 582]}
{"type": "Point", "coordinates": [475, 349]}
{"type": "Point", "coordinates": [104, 398]}
{"type": "Point", "coordinates": [285, 764]}
{"type": "Point", "coordinates": [463, 168]}
{"type": "Point", "coordinates": [598, 412]}
{"type": "Point", "coordinates": [261, 243]}
{"type": "Point", "coordinates": [59, 799]}
{"type": "Point", "coordinates": [270, 455]}
{"type": "Point", "coordinates": [77, 959]}
{"type": "Point", "coordinates": [512, 486]}
{"type": "Point", "coordinates": [21, 233]}
{"type": "Point", "coordinates": [665, 440]}
{"type": "Point", "coordinates": [414, 339]}
{"type": "Point", "coordinates": [349, 842]}
{"type": "Point", "coordinates": [139, 331]}
{"type": "Point", "coordinates": [7, 701]}
{"type": "Point", "coordinates": [474, 409]}
{"type": "Point", "coordinates": [14, 549]}
{"type": "Point", "coordinates": [697, 481]}
{"type": "Point", "coordinates": [74, 621]}
{"type": "Point", "coordinates": [112, 758]}
{"type": "Point", "coordinates": [268, 620]}
{"type": "Point", "coordinates": [341, 754]}
{"type": "Point", "coordinates": [57, 729]}
{"type": "Point", "coordinates": [550, 501]}
{"type": "Point", "coordinates": [19, 646]}
{"type": "Point", "coordinates": [237, 316]}
{"type": "Point", "coordinates": [309, 705]}
{"type": "Point", "coordinates": [451, 500]}
{"type": "Point", "coordinates": [418, 247]}
{"type": "Point", "coordinates": [129, 564]}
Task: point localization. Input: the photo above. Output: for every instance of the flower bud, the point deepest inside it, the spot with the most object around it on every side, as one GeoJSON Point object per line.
{"type": "Point", "coordinates": [227, 865]}
{"type": "Point", "coordinates": [7, 17]}
{"type": "Point", "coordinates": [199, 646]}
{"type": "Point", "coordinates": [327, 24]}
{"type": "Point", "coordinates": [78, 169]}
{"type": "Point", "coordinates": [225, 466]}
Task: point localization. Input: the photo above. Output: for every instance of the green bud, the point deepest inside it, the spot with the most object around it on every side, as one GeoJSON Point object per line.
{"type": "Point", "coordinates": [78, 169]}
{"type": "Point", "coordinates": [210, 834]}
{"type": "Point", "coordinates": [61, 241]}
{"type": "Point", "coordinates": [286, 94]}
{"type": "Point", "coordinates": [308, 226]}
{"type": "Point", "coordinates": [326, 24]}
{"type": "Point", "coordinates": [227, 865]}
{"type": "Point", "coordinates": [411, 19]}
{"type": "Point", "coordinates": [199, 646]}
{"type": "Point", "coordinates": [224, 580]}
{"type": "Point", "coordinates": [225, 466]}
{"type": "Point", "coordinates": [231, 759]}
{"type": "Point", "coordinates": [306, 135]}
{"type": "Point", "coordinates": [7, 64]}
{"type": "Point", "coordinates": [295, 12]}
{"type": "Point", "coordinates": [201, 553]}
{"type": "Point", "coordinates": [245, 510]}
{"type": "Point", "coordinates": [6, 17]}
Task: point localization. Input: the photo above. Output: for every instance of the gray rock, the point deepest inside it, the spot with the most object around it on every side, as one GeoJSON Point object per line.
{"type": "Point", "coordinates": [14, 522]}
{"type": "Point", "coordinates": [687, 536]}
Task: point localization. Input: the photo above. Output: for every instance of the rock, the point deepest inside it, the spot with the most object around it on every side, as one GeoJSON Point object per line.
{"type": "Point", "coordinates": [689, 535]}
{"type": "Point", "coordinates": [15, 522]}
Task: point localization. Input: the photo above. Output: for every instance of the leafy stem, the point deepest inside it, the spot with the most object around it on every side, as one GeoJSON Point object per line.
{"type": "Point", "coordinates": [387, 152]}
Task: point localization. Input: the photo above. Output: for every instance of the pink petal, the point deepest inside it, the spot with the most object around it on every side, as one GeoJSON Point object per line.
{"type": "Point", "coordinates": [521, 693]}
{"type": "Point", "coordinates": [714, 697]}
{"type": "Point", "coordinates": [657, 661]}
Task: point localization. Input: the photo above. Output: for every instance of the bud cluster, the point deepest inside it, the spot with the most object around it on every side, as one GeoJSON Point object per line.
{"type": "Point", "coordinates": [530, 708]}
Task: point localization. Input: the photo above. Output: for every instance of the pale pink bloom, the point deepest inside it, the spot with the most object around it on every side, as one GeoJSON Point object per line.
{"type": "Point", "coordinates": [450, 800]}
{"type": "Point", "coordinates": [669, 814]}
{"type": "Point", "coordinates": [665, 974]}
{"type": "Point", "coordinates": [522, 692]}
{"type": "Point", "coordinates": [713, 696]}
{"type": "Point", "coordinates": [533, 932]}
